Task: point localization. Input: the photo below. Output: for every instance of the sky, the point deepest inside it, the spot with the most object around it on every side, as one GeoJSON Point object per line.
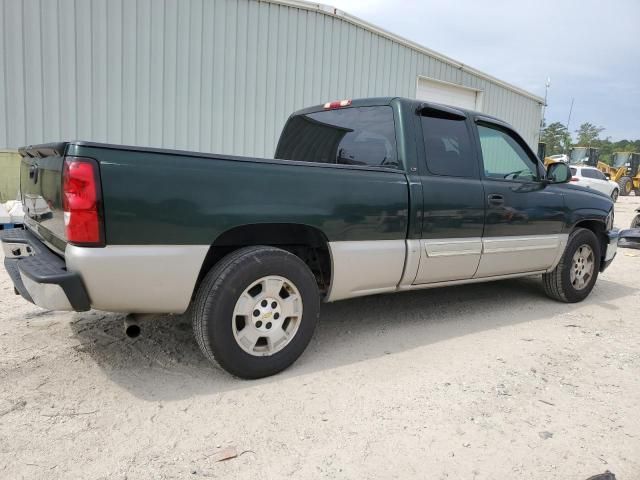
{"type": "Point", "coordinates": [589, 49]}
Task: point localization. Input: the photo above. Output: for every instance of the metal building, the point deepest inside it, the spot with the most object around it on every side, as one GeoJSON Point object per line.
{"type": "Point", "coordinates": [212, 75]}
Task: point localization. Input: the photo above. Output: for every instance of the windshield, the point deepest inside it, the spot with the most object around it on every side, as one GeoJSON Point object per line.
{"type": "Point", "coordinates": [578, 155]}
{"type": "Point", "coordinates": [619, 159]}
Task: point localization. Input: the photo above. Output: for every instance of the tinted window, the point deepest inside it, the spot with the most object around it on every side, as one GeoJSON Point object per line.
{"type": "Point", "coordinates": [350, 136]}
{"type": "Point", "coordinates": [448, 147]}
{"type": "Point", "coordinates": [503, 157]}
{"type": "Point", "coordinates": [596, 174]}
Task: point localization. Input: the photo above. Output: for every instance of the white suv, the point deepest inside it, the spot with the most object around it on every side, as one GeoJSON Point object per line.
{"type": "Point", "coordinates": [591, 177]}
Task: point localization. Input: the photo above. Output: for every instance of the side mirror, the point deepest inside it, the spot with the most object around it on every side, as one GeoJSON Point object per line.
{"type": "Point", "coordinates": [608, 175]}
{"type": "Point", "coordinates": [629, 238]}
{"type": "Point", "coordinates": [558, 172]}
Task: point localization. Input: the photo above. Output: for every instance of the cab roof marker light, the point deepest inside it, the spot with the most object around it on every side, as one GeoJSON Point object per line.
{"type": "Point", "coordinates": [337, 104]}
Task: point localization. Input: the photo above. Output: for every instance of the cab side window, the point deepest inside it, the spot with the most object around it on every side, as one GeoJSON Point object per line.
{"type": "Point", "coordinates": [503, 157]}
{"type": "Point", "coordinates": [448, 147]}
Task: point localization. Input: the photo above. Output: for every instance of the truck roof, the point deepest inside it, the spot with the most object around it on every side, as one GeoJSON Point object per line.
{"type": "Point", "coordinates": [375, 101]}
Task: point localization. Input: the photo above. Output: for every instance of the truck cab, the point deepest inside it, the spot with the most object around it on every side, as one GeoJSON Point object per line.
{"type": "Point", "coordinates": [584, 156]}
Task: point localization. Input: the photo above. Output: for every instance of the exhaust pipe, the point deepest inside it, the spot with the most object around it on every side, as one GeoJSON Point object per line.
{"type": "Point", "coordinates": [131, 326]}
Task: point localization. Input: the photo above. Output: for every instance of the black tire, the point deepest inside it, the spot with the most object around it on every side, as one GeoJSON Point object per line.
{"type": "Point", "coordinates": [637, 192]}
{"type": "Point", "coordinates": [614, 195]}
{"type": "Point", "coordinates": [635, 223]}
{"type": "Point", "coordinates": [626, 186]}
{"type": "Point", "coordinates": [557, 283]}
{"type": "Point", "coordinates": [216, 299]}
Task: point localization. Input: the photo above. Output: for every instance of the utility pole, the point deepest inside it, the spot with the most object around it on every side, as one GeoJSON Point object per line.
{"type": "Point", "coordinates": [569, 119]}
{"type": "Point", "coordinates": [544, 107]}
{"type": "Point", "coordinates": [570, 110]}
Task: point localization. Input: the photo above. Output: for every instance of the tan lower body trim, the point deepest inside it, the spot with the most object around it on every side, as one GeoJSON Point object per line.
{"type": "Point", "coordinates": [468, 280]}
{"type": "Point", "coordinates": [448, 259]}
{"type": "Point", "coordinates": [369, 267]}
{"type": "Point", "coordinates": [365, 267]}
{"type": "Point", "coordinates": [507, 255]}
{"type": "Point", "coordinates": [138, 279]}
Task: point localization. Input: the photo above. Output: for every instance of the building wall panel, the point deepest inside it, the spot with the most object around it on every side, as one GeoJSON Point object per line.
{"type": "Point", "coordinates": [207, 75]}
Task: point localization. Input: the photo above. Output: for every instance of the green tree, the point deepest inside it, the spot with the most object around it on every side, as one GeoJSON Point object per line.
{"type": "Point", "coordinates": [588, 133]}
{"type": "Point", "coordinates": [557, 138]}
{"type": "Point", "coordinates": [607, 148]}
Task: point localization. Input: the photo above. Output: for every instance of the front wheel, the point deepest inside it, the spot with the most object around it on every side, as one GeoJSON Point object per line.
{"type": "Point", "coordinates": [626, 186]}
{"type": "Point", "coordinates": [574, 277]}
{"type": "Point", "coordinates": [635, 223]}
{"type": "Point", "coordinates": [255, 311]}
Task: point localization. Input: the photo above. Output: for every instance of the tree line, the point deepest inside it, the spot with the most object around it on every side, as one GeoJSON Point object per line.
{"type": "Point", "coordinates": [559, 140]}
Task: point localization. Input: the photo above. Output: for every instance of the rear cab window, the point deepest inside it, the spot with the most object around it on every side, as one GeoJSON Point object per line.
{"type": "Point", "coordinates": [362, 136]}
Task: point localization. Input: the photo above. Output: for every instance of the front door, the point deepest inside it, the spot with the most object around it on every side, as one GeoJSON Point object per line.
{"type": "Point", "coordinates": [524, 217]}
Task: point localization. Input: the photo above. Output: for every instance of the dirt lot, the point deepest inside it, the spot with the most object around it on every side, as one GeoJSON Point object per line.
{"type": "Point", "coordinates": [476, 382]}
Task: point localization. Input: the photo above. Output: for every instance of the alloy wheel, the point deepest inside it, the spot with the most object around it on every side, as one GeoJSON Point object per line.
{"type": "Point", "coordinates": [267, 316]}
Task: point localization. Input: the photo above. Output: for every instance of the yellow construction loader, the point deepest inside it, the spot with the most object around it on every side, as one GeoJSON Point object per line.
{"type": "Point", "coordinates": [587, 156]}
{"type": "Point", "coordinates": [625, 170]}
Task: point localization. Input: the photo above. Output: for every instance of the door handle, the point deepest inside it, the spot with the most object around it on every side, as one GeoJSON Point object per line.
{"type": "Point", "coordinates": [496, 200]}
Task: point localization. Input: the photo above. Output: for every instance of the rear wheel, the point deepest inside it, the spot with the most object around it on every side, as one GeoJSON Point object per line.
{"type": "Point", "coordinates": [256, 310]}
{"type": "Point", "coordinates": [574, 277]}
{"type": "Point", "coordinates": [626, 185]}
{"type": "Point", "coordinates": [635, 223]}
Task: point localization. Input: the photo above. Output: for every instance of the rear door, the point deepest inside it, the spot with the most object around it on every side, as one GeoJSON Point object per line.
{"type": "Point", "coordinates": [580, 178]}
{"type": "Point", "coordinates": [453, 197]}
{"type": "Point", "coordinates": [597, 180]}
{"type": "Point", "coordinates": [524, 217]}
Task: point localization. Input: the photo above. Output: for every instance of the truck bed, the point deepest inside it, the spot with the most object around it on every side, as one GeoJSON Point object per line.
{"type": "Point", "coordinates": [174, 197]}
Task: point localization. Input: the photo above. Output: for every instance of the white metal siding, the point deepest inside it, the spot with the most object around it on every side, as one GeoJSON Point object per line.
{"type": "Point", "coordinates": [448, 94]}
{"type": "Point", "coordinates": [207, 75]}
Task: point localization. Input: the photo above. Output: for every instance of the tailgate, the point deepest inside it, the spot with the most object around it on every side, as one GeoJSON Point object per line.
{"type": "Point", "coordinates": [41, 190]}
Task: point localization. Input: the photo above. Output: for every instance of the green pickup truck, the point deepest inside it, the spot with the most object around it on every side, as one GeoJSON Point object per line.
{"type": "Point", "coordinates": [363, 197]}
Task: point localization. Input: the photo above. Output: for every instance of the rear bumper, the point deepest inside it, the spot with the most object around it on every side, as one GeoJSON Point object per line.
{"type": "Point", "coordinates": [39, 275]}
{"type": "Point", "coordinates": [612, 248]}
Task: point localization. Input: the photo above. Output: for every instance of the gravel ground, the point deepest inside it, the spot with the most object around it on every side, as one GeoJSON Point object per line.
{"type": "Point", "coordinates": [475, 382]}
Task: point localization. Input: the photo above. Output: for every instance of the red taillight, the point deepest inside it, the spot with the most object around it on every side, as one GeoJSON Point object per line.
{"type": "Point", "coordinates": [337, 104]}
{"type": "Point", "coordinates": [575, 179]}
{"type": "Point", "coordinates": [81, 202]}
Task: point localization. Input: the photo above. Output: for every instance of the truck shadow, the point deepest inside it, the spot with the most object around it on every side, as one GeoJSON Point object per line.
{"type": "Point", "coordinates": [164, 363]}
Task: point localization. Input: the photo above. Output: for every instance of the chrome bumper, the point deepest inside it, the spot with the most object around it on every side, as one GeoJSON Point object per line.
{"type": "Point", "coordinates": [39, 275]}
{"type": "Point", "coordinates": [612, 248]}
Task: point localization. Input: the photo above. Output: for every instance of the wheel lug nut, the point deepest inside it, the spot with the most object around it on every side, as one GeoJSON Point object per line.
{"type": "Point", "coordinates": [268, 325]}
{"type": "Point", "coordinates": [264, 303]}
{"type": "Point", "coordinates": [256, 313]}
{"type": "Point", "coordinates": [276, 316]}
{"type": "Point", "coordinates": [258, 324]}
{"type": "Point", "coordinates": [274, 305]}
